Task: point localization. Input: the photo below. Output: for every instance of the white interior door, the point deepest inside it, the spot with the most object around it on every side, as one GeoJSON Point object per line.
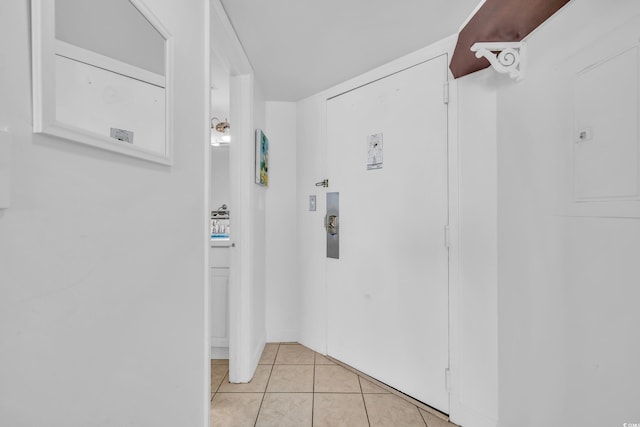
{"type": "Point", "coordinates": [388, 291]}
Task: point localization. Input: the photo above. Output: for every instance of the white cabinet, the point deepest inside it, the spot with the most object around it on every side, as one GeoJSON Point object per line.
{"type": "Point", "coordinates": [219, 302]}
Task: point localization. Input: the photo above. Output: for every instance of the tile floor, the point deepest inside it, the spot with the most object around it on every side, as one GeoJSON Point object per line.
{"type": "Point", "coordinates": [295, 386]}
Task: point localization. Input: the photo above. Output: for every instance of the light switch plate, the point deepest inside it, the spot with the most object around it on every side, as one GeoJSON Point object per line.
{"type": "Point", "coordinates": [312, 203]}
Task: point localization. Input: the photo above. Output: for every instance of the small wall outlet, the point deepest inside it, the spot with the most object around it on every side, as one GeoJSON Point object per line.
{"type": "Point", "coordinates": [312, 203]}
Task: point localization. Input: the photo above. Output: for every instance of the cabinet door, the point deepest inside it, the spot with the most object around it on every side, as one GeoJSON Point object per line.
{"type": "Point", "coordinates": [219, 301]}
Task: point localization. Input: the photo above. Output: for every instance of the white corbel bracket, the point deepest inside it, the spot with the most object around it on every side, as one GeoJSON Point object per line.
{"type": "Point", "coordinates": [509, 58]}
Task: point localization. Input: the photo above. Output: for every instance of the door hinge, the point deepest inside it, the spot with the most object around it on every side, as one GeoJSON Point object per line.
{"type": "Point", "coordinates": [446, 92]}
{"type": "Point", "coordinates": [447, 380]}
{"type": "Point", "coordinates": [447, 234]}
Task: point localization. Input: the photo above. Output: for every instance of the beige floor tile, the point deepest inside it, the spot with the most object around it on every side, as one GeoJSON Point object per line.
{"type": "Point", "coordinates": [269, 354]}
{"type": "Point", "coordinates": [434, 421]}
{"type": "Point", "coordinates": [339, 410]}
{"type": "Point", "coordinates": [370, 388]}
{"type": "Point", "coordinates": [235, 409]}
{"type": "Point", "coordinates": [257, 385]}
{"type": "Point", "coordinates": [218, 374]}
{"type": "Point", "coordinates": [335, 379]}
{"type": "Point", "coordinates": [286, 410]}
{"type": "Point", "coordinates": [288, 375]}
{"type": "Point", "coordinates": [291, 379]}
{"type": "Point", "coordinates": [294, 354]}
{"type": "Point", "coordinates": [321, 360]}
{"type": "Point", "coordinates": [389, 410]}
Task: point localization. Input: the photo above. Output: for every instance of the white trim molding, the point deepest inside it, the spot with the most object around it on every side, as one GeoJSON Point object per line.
{"type": "Point", "coordinates": [56, 100]}
{"type": "Point", "coordinates": [505, 57]}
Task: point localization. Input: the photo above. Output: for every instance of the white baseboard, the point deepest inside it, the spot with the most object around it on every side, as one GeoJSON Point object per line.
{"type": "Point", "coordinates": [219, 342]}
{"type": "Point", "coordinates": [465, 416]}
{"type": "Point", "coordinates": [219, 352]}
{"type": "Point", "coordinates": [258, 352]}
{"type": "Point", "coordinates": [283, 335]}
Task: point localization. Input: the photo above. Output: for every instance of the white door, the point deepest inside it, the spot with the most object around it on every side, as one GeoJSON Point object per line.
{"type": "Point", "coordinates": [387, 294]}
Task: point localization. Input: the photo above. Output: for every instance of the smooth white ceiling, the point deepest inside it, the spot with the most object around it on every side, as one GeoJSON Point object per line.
{"type": "Point", "coordinates": [300, 47]}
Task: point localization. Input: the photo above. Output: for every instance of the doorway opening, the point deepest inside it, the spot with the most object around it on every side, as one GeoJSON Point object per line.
{"type": "Point", "coordinates": [220, 208]}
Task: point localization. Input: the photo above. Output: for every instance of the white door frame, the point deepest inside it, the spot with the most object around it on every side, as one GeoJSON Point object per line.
{"type": "Point", "coordinates": [241, 260]}
{"type": "Point", "coordinates": [227, 46]}
{"type": "Point", "coordinates": [423, 377]}
{"type": "Point", "coordinates": [445, 46]}
{"type": "Point", "coordinates": [206, 219]}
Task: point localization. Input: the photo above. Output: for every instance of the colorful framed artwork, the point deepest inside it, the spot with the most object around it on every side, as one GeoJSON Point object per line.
{"type": "Point", "coordinates": [262, 158]}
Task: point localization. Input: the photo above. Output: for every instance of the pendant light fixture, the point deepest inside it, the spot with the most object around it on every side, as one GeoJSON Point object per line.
{"type": "Point", "coordinates": [220, 131]}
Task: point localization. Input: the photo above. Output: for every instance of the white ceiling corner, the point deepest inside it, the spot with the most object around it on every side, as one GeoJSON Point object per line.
{"type": "Point", "coordinates": [300, 47]}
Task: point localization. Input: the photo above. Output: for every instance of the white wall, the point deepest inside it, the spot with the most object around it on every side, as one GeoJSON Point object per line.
{"type": "Point", "coordinates": [567, 297]}
{"type": "Point", "coordinates": [282, 292]}
{"type": "Point", "coordinates": [260, 239]}
{"type": "Point", "coordinates": [568, 284]}
{"type": "Point", "coordinates": [473, 256]}
{"type": "Point", "coordinates": [102, 258]}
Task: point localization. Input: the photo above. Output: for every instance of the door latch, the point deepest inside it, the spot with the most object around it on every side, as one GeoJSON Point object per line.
{"type": "Point", "coordinates": [323, 183]}
{"type": "Point", "coordinates": [332, 225]}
